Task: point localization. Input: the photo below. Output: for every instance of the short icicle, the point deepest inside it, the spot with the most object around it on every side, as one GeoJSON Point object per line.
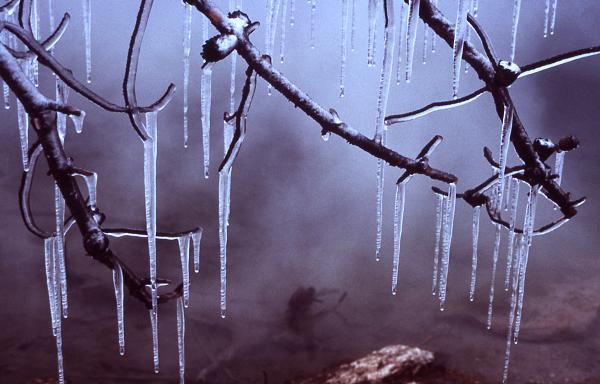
{"type": "Point", "coordinates": [205, 102]}
{"type": "Point", "coordinates": [398, 223]}
{"type": "Point", "coordinates": [196, 239]}
{"type": "Point", "coordinates": [353, 27]}
{"type": "Point", "coordinates": [504, 145]}
{"type": "Point", "coordinates": [460, 32]}
{"type": "Point", "coordinates": [446, 242]}
{"type": "Point", "coordinates": [515, 25]}
{"type": "Point", "coordinates": [496, 252]}
{"type": "Point", "coordinates": [514, 201]}
{"type": "Point", "coordinates": [439, 216]}
{"type": "Point", "coordinates": [87, 28]}
{"type": "Point", "coordinates": [184, 255]}
{"type": "Point", "coordinates": [283, 32]}
{"type": "Point", "coordinates": [411, 35]}
{"type": "Point", "coordinates": [117, 274]}
{"type": "Point", "coordinates": [553, 20]}
{"type": "Point", "coordinates": [23, 122]}
{"type": "Point", "coordinates": [546, 17]}
{"type": "Point", "coordinates": [181, 339]}
{"type": "Point", "coordinates": [372, 24]}
{"type": "Point", "coordinates": [475, 240]}
{"type": "Point", "coordinates": [313, 20]}
{"type": "Point", "coordinates": [559, 163]}
{"type": "Point", "coordinates": [187, 46]}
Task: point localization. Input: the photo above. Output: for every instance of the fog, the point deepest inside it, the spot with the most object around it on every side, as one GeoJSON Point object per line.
{"type": "Point", "coordinates": [303, 211]}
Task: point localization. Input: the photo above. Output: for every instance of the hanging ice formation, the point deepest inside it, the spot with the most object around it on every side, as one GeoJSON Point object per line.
{"type": "Point", "coordinates": [382, 100]}
{"type": "Point", "coordinates": [447, 228]}
{"type": "Point", "coordinates": [87, 30]}
{"type": "Point", "coordinates": [196, 238]}
{"type": "Point", "coordinates": [505, 133]}
{"type": "Point", "coordinates": [514, 201]}
{"type": "Point", "coordinates": [345, 10]}
{"type": "Point", "coordinates": [527, 239]}
{"type": "Point", "coordinates": [313, 17]}
{"type": "Point", "coordinates": [205, 102]}
{"type": "Point", "coordinates": [59, 211]}
{"type": "Point", "coordinates": [475, 240]}
{"type": "Point", "coordinates": [184, 255]}
{"type": "Point", "coordinates": [181, 339]}
{"type": "Point", "coordinates": [372, 21]}
{"type": "Point", "coordinates": [546, 17]}
{"type": "Point", "coordinates": [118, 284]}
{"type": "Point", "coordinates": [23, 122]}
{"type": "Point", "coordinates": [62, 94]}
{"type": "Point", "coordinates": [426, 32]}
{"type": "Point", "coordinates": [559, 163]}
{"type": "Point", "coordinates": [53, 286]}
{"type": "Point", "coordinates": [271, 31]}
{"type": "Point", "coordinates": [35, 29]}
{"type": "Point", "coordinates": [283, 30]}
{"type": "Point", "coordinates": [496, 252]}
{"type": "Point", "coordinates": [398, 223]}
{"type": "Point", "coordinates": [553, 20]}
{"type": "Point", "coordinates": [468, 34]}
{"type": "Point", "coordinates": [401, 38]}
{"type": "Point", "coordinates": [292, 12]}
{"type": "Point", "coordinates": [187, 36]}
{"type": "Point", "coordinates": [460, 31]}
{"type": "Point", "coordinates": [515, 24]}
{"type": "Point", "coordinates": [5, 39]}
{"type": "Point", "coordinates": [411, 35]}
{"type": "Point", "coordinates": [353, 27]}
{"type": "Point", "coordinates": [440, 208]}
{"type": "Point", "coordinates": [150, 147]}
{"type": "Point", "coordinates": [434, 35]}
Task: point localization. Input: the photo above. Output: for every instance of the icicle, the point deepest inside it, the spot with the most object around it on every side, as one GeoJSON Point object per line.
{"type": "Point", "coordinates": [475, 240]}
{"type": "Point", "coordinates": [187, 46]}
{"type": "Point", "coordinates": [282, 37]}
{"type": "Point", "coordinates": [513, 303]}
{"type": "Point", "coordinates": [205, 101]}
{"type": "Point", "coordinates": [514, 201]}
{"type": "Point", "coordinates": [559, 162]}
{"type": "Point", "coordinates": [345, 6]}
{"type": "Point", "coordinates": [51, 23]}
{"type": "Point", "coordinates": [527, 237]}
{"type": "Point", "coordinates": [506, 194]}
{"type": "Point", "coordinates": [154, 325]}
{"type": "Point", "coordinates": [91, 181]}
{"type": "Point", "coordinates": [440, 208]}
{"type": "Point", "coordinates": [411, 35]}
{"type": "Point", "coordinates": [224, 178]}
{"type": "Point", "coordinates": [379, 213]}
{"type": "Point", "coordinates": [313, 16]}
{"type": "Point", "coordinates": [292, 12]}
{"type": "Point", "coordinates": [62, 94]}
{"type": "Point", "coordinates": [35, 29]}
{"type": "Point", "coordinates": [460, 31]}
{"type": "Point", "coordinates": [398, 222]}
{"type": "Point", "coordinates": [353, 27]}
{"type": "Point", "coordinates": [23, 121]}
{"type": "Point", "coordinates": [184, 254]}
{"type": "Point", "coordinates": [504, 145]}
{"type": "Point", "coordinates": [59, 211]}
{"type": "Point", "coordinates": [515, 24]}
{"type": "Point", "coordinates": [493, 281]}
{"type": "Point", "coordinates": [401, 38]}
{"type": "Point", "coordinates": [474, 6]}
{"type": "Point", "coordinates": [196, 238]}
{"type": "Point", "coordinates": [446, 242]}
{"type": "Point", "coordinates": [87, 30]}
{"type": "Point", "coordinates": [118, 284]}
{"type": "Point", "coordinates": [373, 7]}
{"type": "Point", "coordinates": [49, 264]}
{"type": "Point", "coordinates": [553, 22]}
{"type": "Point", "coordinates": [434, 35]}
{"type": "Point", "coordinates": [181, 339]}
{"type": "Point", "coordinates": [4, 39]}
{"type": "Point", "coordinates": [426, 32]}
{"type": "Point", "coordinates": [77, 121]}
{"type": "Point", "coordinates": [546, 17]}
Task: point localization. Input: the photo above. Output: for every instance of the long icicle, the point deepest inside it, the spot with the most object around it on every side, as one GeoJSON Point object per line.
{"type": "Point", "coordinates": [184, 255]}
{"type": "Point", "coordinates": [345, 5]}
{"type": "Point", "coordinates": [434, 35]}
{"type": "Point", "coordinates": [505, 133]}
{"type": "Point", "coordinates": [5, 39]}
{"type": "Point", "coordinates": [385, 80]}
{"type": "Point", "coordinates": [117, 274]}
{"type": "Point", "coordinates": [150, 152]}
{"type": "Point", "coordinates": [196, 239]}
{"type": "Point", "coordinates": [313, 17]}
{"type": "Point", "coordinates": [23, 122]}
{"type": "Point", "coordinates": [553, 20]}
{"type": "Point", "coordinates": [87, 28]}
{"type": "Point", "coordinates": [59, 211]}
{"type": "Point", "coordinates": [446, 243]}
{"type": "Point", "coordinates": [283, 31]}
{"type": "Point", "coordinates": [546, 17]}
{"type": "Point", "coordinates": [35, 29]}
{"type": "Point", "coordinates": [49, 264]}
{"type": "Point", "coordinates": [224, 186]}
{"type": "Point", "coordinates": [181, 339]}
{"type": "Point", "coordinates": [426, 33]}
{"type": "Point", "coordinates": [372, 23]}
{"type": "Point", "coordinates": [528, 236]}
{"type": "Point", "coordinates": [513, 304]}
{"type": "Point", "coordinates": [475, 240]}
{"type": "Point", "coordinates": [353, 27]}
{"type": "Point", "coordinates": [401, 38]}
{"type": "Point", "coordinates": [514, 202]}
{"type": "Point", "coordinates": [205, 102]}
{"type": "Point", "coordinates": [460, 31]}
{"type": "Point", "coordinates": [515, 25]}
{"type": "Point", "coordinates": [439, 217]}
{"type": "Point", "coordinates": [398, 223]}
{"type": "Point", "coordinates": [57, 327]}
{"type": "Point", "coordinates": [187, 46]}
{"type": "Point", "coordinates": [411, 35]}
{"type": "Point", "coordinates": [496, 252]}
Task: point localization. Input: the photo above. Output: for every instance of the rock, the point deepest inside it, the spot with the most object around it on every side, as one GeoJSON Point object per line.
{"type": "Point", "coordinates": [389, 364]}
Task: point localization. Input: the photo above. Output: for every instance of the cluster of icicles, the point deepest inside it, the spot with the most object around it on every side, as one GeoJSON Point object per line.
{"type": "Point", "coordinates": [505, 191]}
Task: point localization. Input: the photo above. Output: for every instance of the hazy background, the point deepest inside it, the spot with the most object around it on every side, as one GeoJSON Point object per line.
{"type": "Point", "coordinates": [303, 211]}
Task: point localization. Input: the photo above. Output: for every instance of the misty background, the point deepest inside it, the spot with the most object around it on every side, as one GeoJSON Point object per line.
{"type": "Point", "coordinates": [303, 210]}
